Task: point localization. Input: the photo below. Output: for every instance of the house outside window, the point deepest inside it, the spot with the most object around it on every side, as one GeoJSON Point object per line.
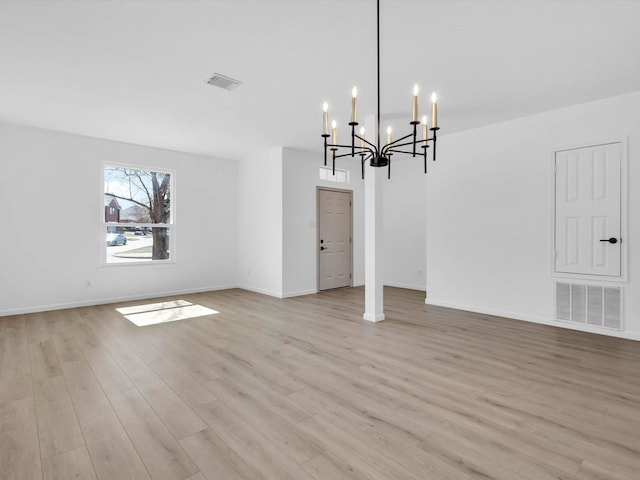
{"type": "Point", "coordinates": [111, 209]}
{"type": "Point", "coordinates": [138, 215]}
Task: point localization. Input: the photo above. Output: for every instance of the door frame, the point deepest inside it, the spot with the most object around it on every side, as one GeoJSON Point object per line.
{"type": "Point", "coordinates": [624, 230]}
{"type": "Point", "coordinates": [342, 190]}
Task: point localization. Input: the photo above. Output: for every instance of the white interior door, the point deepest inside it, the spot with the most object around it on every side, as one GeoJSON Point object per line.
{"type": "Point", "coordinates": [588, 211]}
{"type": "Point", "coordinates": [334, 239]}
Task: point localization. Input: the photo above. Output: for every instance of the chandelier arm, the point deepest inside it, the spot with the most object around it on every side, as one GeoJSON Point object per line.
{"type": "Point", "coordinates": [349, 154]}
{"type": "Point", "coordinates": [368, 143]}
{"type": "Point", "coordinates": [424, 147]}
{"type": "Point", "coordinates": [415, 142]}
{"type": "Point", "coordinates": [400, 145]}
{"type": "Point", "coordinates": [333, 168]}
{"type": "Point", "coordinates": [392, 151]}
{"type": "Point", "coordinates": [325, 149]}
{"type": "Point", "coordinates": [434, 130]}
{"type": "Point", "coordinates": [338, 147]}
{"type": "Point", "coordinates": [363, 158]}
{"type": "Point", "coordinates": [399, 140]}
{"type": "Point", "coordinates": [353, 138]}
{"type": "Point", "coordinates": [415, 131]}
{"type": "Point", "coordinates": [388, 146]}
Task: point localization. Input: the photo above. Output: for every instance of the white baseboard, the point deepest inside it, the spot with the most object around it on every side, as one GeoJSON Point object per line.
{"type": "Point", "coordinates": [262, 291]}
{"type": "Point", "coordinates": [393, 284]}
{"type": "Point", "coordinates": [420, 288]}
{"type": "Point", "coordinates": [533, 319]}
{"type": "Point", "coordinates": [106, 301]}
{"type": "Point", "coordinates": [299, 293]}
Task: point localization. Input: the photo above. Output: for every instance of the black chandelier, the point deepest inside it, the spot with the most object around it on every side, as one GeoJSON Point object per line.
{"type": "Point", "coordinates": [381, 157]}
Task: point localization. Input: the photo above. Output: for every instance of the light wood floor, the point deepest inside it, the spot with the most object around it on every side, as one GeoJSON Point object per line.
{"type": "Point", "coordinates": [304, 389]}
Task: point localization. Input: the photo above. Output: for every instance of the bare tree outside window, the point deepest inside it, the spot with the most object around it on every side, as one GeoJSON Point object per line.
{"type": "Point", "coordinates": [144, 201]}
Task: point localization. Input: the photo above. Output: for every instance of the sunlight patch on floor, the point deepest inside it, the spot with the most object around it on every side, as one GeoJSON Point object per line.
{"type": "Point", "coordinates": [164, 312]}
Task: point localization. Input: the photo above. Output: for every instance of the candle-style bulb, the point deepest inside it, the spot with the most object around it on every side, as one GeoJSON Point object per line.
{"type": "Point", "coordinates": [425, 133]}
{"type": "Point", "coordinates": [434, 110]}
{"type": "Point", "coordinates": [388, 135]}
{"type": "Point", "coordinates": [354, 108]}
{"type": "Point", "coordinates": [334, 132]}
{"type": "Point", "coordinates": [333, 124]}
{"type": "Point", "coordinates": [414, 113]}
{"type": "Point", "coordinates": [361, 137]}
{"type": "Point", "coordinates": [325, 118]}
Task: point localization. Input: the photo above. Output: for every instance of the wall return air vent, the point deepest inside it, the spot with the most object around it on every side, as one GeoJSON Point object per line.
{"type": "Point", "coordinates": [221, 81]}
{"type": "Point", "coordinates": [594, 305]}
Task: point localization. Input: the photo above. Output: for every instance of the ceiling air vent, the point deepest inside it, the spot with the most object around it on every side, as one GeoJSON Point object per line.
{"type": "Point", "coordinates": [223, 82]}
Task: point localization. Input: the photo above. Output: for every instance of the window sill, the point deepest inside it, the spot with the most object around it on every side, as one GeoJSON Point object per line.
{"type": "Point", "coordinates": [153, 264]}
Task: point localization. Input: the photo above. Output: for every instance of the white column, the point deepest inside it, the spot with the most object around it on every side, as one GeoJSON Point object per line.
{"type": "Point", "coordinates": [373, 292]}
{"type": "Point", "coordinates": [427, 223]}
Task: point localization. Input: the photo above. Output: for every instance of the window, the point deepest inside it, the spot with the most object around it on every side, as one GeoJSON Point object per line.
{"type": "Point", "coordinates": [139, 220]}
{"type": "Point", "coordinates": [341, 176]}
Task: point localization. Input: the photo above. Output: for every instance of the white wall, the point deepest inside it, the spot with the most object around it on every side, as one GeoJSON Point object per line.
{"type": "Point", "coordinates": [301, 179]}
{"type": "Point", "coordinates": [489, 200]}
{"type": "Point", "coordinates": [404, 223]}
{"type": "Point", "coordinates": [52, 236]}
{"type": "Point", "coordinates": [259, 200]}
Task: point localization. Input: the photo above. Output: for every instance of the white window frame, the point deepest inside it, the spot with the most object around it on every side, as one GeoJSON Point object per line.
{"type": "Point", "coordinates": [326, 175]}
{"type": "Point", "coordinates": [171, 225]}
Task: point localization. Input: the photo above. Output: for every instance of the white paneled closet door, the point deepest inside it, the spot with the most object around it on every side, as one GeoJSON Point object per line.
{"type": "Point", "coordinates": [588, 210]}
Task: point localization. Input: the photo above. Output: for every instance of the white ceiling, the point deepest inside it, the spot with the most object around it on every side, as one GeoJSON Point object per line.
{"type": "Point", "coordinates": [135, 71]}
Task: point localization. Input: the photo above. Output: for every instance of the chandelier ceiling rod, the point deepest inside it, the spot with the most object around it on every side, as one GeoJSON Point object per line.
{"type": "Point", "coordinates": [378, 30]}
{"type": "Point", "coordinates": [381, 156]}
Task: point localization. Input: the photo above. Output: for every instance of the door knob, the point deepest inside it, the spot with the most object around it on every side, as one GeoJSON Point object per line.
{"type": "Point", "coordinates": [322, 248]}
{"type": "Point", "coordinates": [610, 240]}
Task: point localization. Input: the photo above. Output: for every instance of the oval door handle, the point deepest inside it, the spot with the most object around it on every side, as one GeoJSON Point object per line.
{"type": "Point", "coordinates": [610, 240]}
